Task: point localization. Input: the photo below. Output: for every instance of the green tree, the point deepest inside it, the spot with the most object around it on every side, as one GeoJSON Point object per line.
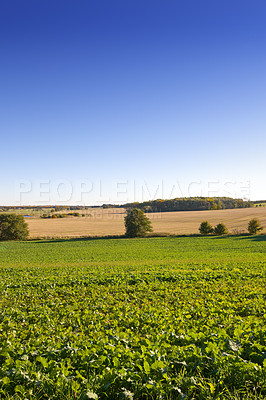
{"type": "Point", "coordinates": [254, 226]}
{"type": "Point", "coordinates": [13, 227]}
{"type": "Point", "coordinates": [205, 228]}
{"type": "Point", "coordinates": [137, 223]}
{"type": "Point", "coordinates": [220, 229]}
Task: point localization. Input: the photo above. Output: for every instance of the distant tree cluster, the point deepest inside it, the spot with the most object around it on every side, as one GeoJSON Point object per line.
{"type": "Point", "coordinates": [189, 204]}
{"type": "Point", "coordinates": [62, 215]}
{"type": "Point", "coordinates": [49, 208]}
{"type": "Point", "coordinates": [205, 228]}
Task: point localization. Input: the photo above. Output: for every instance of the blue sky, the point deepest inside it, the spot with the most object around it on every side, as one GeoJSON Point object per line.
{"type": "Point", "coordinates": [115, 101]}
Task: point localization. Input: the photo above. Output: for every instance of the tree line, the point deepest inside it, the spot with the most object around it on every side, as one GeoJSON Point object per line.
{"type": "Point", "coordinates": [186, 204]}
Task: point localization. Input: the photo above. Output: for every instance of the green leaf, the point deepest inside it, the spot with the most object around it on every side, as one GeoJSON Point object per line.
{"type": "Point", "coordinates": [6, 380]}
{"type": "Point", "coordinates": [19, 389]}
{"type": "Point", "coordinates": [116, 361]}
{"type": "Point", "coordinates": [43, 361]}
{"type": "Point", "coordinates": [146, 367]}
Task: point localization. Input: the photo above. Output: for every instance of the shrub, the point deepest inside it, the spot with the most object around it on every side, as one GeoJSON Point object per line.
{"type": "Point", "coordinates": [137, 223]}
{"type": "Point", "coordinates": [205, 228]}
{"type": "Point", "coordinates": [254, 226]}
{"type": "Point", "coordinates": [13, 227]}
{"type": "Point", "coordinates": [220, 229]}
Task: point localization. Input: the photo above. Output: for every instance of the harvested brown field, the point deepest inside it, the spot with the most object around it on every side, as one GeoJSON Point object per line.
{"type": "Point", "coordinates": [104, 222]}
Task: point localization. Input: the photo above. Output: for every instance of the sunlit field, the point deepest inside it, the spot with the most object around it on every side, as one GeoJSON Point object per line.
{"type": "Point", "coordinates": [100, 222]}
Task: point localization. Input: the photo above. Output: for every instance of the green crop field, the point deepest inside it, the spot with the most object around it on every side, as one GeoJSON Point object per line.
{"type": "Point", "coordinates": [154, 318]}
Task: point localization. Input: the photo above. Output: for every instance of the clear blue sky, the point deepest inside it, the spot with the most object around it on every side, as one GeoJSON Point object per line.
{"type": "Point", "coordinates": [143, 98]}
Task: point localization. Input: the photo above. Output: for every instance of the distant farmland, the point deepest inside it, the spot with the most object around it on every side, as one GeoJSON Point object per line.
{"type": "Point", "coordinates": [100, 222]}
